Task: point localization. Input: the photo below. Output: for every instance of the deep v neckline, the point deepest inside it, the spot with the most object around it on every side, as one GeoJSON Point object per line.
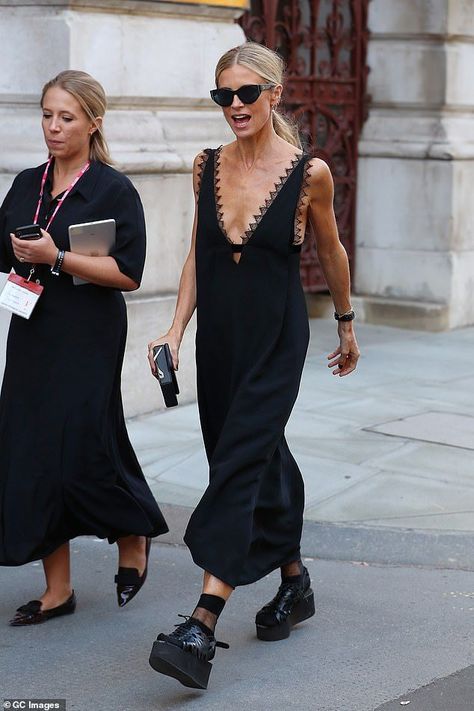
{"type": "Point", "coordinates": [262, 210]}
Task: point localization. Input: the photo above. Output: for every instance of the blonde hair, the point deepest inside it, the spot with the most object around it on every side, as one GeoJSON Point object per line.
{"type": "Point", "coordinates": [270, 66]}
{"type": "Point", "coordinates": [91, 96]}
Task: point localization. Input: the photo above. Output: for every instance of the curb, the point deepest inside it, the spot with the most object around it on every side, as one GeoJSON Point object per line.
{"type": "Point", "coordinates": [370, 544]}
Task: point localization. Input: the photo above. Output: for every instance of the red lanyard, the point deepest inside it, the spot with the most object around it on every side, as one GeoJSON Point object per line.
{"type": "Point", "coordinates": [62, 199]}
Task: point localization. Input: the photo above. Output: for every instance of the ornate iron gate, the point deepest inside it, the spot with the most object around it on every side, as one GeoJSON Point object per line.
{"type": "Point", "coordinates": [324, 44]}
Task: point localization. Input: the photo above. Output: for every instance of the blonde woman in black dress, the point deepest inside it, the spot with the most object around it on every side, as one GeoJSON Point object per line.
{"type": "Point", "coordinates": [254, 198]}
{"type": "Point", "coordinates": [67, 467]}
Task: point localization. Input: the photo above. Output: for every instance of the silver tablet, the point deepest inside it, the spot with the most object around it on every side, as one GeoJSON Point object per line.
{"type": "Point", "coordinates": [93, 239]}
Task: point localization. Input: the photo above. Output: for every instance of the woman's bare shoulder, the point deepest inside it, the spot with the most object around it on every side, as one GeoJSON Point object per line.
{"type": "Point", "coordinates": [318, 169]}
{"type": "Point", "coordinates": [318, 177]}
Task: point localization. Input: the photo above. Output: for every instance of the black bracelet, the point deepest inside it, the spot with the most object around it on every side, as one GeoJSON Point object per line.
{"type": "Point", "coordinates": [348, 316]}
{"type": "Point", "coordinates": [58, 263]}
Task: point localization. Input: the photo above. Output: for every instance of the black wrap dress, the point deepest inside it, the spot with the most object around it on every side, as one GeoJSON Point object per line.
{"type": "Point", "coordinates": [251, 344]}
{"type": "Point", "coordinates": [67, 467]}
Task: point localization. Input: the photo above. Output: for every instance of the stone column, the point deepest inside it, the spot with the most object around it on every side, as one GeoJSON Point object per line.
{"type": "Point", "coordinates": [415, 231]}
{"type": "Point", "coordinates": [156, 62]}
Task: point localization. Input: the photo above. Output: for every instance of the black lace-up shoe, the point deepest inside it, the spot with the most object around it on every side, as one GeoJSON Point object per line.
{"type": "Point", "coordinates": [185, 654]}
{"type": "Point", "coordinates": [293, 603]}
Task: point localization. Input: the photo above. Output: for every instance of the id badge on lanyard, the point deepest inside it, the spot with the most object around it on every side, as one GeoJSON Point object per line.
{"type": "Point", "coordinates": [21, 295]}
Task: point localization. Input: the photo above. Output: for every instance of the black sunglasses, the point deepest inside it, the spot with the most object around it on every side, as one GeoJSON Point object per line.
{"type": "Point", "coordinates": [248, 94]}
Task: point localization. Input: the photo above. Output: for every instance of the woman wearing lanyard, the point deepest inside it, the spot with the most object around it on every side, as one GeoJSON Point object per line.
{"type": "Point", "coordinates": [67, 467]}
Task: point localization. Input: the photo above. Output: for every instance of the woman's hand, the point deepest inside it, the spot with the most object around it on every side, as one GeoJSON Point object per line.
{"type": "Point", "coordinates": [346, 356]}
{"type": "Point", "coordinates": [174, 343]}
{"type": "Point", "coordinates": [35, 251]}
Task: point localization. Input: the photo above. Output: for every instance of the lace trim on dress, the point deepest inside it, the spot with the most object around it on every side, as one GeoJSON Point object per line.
{"type": "Point", "coordinates": [202, 158]}
{"type": "Point", "coordinates": [219, 208]}
{"type": "Point", "coordinates": [257, 218]}
{"type": "Point", "coordinates": [303, 200]}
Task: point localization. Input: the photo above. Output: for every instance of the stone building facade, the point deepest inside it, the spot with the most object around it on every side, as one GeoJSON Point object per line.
{"type": "Point", "coordinates": [415, 232]}
{"type": "Point", "coordinates": [156, 62]}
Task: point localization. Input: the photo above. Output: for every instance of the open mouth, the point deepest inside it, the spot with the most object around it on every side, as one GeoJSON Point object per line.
{"type": "Point", "coordinates": [241, 120]}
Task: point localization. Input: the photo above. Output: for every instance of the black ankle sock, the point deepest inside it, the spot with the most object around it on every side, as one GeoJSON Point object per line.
{"type": "Point", "coordinates": [212, 603]}
{"type": "Point", "coordinates": [208, 609]}
{"type": "Point", "coordinates": [295, 579]}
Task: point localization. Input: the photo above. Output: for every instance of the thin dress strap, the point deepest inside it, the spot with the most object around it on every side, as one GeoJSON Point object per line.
{"type": "Point", "coordinates": [302, 205]}
{"type": "Point", "coordinates": [202, 160]}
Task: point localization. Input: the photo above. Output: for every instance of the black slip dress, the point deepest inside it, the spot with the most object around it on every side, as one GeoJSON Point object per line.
{"type": "Point", "coordinates": [251, 344]}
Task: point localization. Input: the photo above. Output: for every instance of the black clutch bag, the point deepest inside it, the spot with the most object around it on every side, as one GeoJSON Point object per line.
{"type": "Point", "coordinates": [165, 374]}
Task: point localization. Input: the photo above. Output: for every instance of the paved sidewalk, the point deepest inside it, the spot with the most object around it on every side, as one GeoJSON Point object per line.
{"type": "Point", "coordinates": [390, 447]}
{"type": "Point", "coordinates": [387, 456]}
{"type": "Point", "coordinates": [379, 633]}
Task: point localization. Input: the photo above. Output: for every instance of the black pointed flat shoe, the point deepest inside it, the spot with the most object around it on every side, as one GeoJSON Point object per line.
{"type": "Point", "coordinates": [32, 614]}
{"type": "Point", "coordinates": [186, 653]}
{"type": "Point", "coordinates": [293, 603]}
{"type": "Point", "coordinates": [129, 581]}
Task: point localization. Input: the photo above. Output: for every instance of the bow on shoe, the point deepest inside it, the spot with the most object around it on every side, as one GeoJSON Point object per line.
{"type": "Point", "coordinates": [28, 613]}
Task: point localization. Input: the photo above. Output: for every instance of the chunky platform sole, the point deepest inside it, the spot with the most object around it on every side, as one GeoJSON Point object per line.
{"type": "Point", "coordinates": [173, 661]}
{"type": "Point", "coordinates": [303, 610]}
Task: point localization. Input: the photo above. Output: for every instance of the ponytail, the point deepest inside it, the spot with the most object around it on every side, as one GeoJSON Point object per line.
{"type": "Point", "coordinates": [286, 129]}
{"type": "Point", "coordinates": [99, 149]}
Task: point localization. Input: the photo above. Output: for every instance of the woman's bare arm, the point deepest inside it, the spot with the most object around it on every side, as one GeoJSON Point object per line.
{"type": "Point", "coordinates": [102, 271]}
{"type": "Point", "coordinates": [186, 301]}
{"type": "Point", "coordinates": [334, 262]}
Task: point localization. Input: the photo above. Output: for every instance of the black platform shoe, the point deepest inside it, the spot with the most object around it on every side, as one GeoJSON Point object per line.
{"type": "Point", "coordinates": [129, 581]}
{"type": "Point", "coordinates": [293, 603]}
{"type": "Point", "coordinates": [185, 654]}
{"type": "Point", "coordinates": [32, 614]}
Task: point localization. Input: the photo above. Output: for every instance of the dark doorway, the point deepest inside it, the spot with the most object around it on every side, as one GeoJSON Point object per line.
{"type": "Point", "coordinates": [324, 44]}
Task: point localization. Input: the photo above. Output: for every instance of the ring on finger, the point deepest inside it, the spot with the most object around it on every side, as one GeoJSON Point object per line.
{"type": "Point", "coordinates": [22, 259]}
